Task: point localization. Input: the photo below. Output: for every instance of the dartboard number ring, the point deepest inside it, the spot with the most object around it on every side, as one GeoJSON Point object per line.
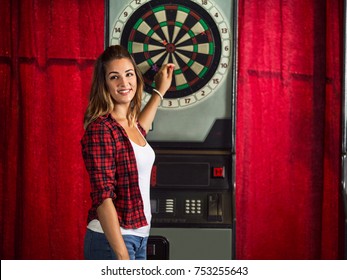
{"type": "Point", "coordinates": [193, 35]}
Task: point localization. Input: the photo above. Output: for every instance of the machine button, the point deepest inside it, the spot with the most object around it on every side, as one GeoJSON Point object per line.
{"type": "Point", "coordinates": [198, 206]}
{"type": "Point", "coordinates": [218, 172]}
{"type": "Point", "coordinates": [169, 205]}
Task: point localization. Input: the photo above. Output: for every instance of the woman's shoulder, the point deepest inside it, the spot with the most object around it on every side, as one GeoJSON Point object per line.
{"type": "Point", "coordinates": [102, 121]}
{"type": "Point", "coordinates": [103, 124]}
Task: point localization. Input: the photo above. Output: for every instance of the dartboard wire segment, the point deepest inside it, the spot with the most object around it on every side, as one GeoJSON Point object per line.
{"type": "Point", "coordinates": [191, 34]}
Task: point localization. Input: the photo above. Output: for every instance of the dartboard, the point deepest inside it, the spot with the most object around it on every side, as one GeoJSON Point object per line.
{"type": "Point", "coordinates": [193, 35]}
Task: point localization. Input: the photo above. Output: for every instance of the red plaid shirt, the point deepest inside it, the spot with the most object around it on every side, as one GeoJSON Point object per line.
{"type": "Point", "coordinates": [111, 164]}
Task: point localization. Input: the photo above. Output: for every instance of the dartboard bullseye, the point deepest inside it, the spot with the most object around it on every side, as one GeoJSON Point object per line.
{"type": "Point", "coordinates": [191, 34]}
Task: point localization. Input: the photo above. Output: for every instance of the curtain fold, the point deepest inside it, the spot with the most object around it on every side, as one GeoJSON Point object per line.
{"type": "Point", "coordinates": [288, 136]}
{"type": "Point", "coordinates": [332, 235]}
{"type": "Point", "coordinates": [46, 65]}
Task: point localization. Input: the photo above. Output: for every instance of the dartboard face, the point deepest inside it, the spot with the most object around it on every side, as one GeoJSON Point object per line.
{"type": "Point", "coordinates": [194, 35]}
{"type": "Point", "coordinates": [198, 37]}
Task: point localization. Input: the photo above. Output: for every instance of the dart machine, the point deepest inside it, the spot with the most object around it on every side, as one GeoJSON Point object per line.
{"type": "Point", "coordinates": [192, 182]}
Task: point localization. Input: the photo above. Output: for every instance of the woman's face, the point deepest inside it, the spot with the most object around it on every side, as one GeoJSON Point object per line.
{"type": "Point", "coordinates": [121, 80]}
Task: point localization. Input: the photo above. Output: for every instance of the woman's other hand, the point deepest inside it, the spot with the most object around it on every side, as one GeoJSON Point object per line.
{"type": "Point", "coordinates": [163, 78]}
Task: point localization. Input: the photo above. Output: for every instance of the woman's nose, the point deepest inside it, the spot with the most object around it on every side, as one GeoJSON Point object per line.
{"type": "Point", "coordinates": [123, 80]}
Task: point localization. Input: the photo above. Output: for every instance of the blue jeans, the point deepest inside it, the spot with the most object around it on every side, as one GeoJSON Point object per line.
{"type": "Point", "coordinates": [137, 246]}
{"type": "Point", "coordinates": [96, 247]}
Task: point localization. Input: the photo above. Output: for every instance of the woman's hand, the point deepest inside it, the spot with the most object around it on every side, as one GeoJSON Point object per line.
{"type": "Point", "coordinates": [163, 81]}
{"type": "Point", "coordinates": [163, 78]}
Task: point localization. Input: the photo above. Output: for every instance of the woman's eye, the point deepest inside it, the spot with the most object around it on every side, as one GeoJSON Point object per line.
{"type": "Point", "coordinates": [113, 77]}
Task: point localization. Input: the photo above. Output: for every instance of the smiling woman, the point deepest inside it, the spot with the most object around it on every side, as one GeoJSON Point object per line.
{"type": "Point", "coordinates": [118, 158]}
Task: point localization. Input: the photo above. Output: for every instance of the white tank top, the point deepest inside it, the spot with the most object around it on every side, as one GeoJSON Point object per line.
{"type": "Point", "coordinates": [145, 157]}
{"type": "Point", "coordinates": [144, 160]}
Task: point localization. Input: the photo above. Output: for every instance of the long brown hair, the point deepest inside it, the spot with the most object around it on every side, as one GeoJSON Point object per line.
{"type": "Point", "coordinates": [100, 100]}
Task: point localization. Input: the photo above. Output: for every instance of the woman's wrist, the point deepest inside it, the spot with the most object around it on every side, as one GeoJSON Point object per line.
{"type": "Point", "coordinates": [158, 93]}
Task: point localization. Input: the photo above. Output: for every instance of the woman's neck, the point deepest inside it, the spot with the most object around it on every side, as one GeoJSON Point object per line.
{"type": "Point", "coordinates": [120, 112]}
{"type": "Point", "coordinates": [121, 118]}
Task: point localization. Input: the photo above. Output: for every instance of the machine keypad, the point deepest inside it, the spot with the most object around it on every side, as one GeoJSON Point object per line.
{"type": "Point", "coordinates": [193, 206]}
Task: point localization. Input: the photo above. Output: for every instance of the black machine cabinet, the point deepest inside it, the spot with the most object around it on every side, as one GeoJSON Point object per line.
{"type": "Point", "coordinates": [191, 201]}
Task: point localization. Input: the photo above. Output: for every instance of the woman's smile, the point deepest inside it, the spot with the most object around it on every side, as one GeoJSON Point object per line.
{"type": "Point", "coordinates": [124, 91]}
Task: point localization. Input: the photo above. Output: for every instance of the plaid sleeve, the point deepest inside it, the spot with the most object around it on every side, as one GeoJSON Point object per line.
{"type": "Point", "coordinates": [98, 150]}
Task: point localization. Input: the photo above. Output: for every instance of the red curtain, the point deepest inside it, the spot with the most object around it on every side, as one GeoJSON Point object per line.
{"type": "Point", "coordinates": [288, 130]}
{"type": "Point", "coordinates": [288, 127]}
{"type": "Point", "coordinates": [47, 53]}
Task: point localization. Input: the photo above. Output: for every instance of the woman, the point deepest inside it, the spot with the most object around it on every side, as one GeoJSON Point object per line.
{"type": "Point", "coordinates": [117, 156]}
